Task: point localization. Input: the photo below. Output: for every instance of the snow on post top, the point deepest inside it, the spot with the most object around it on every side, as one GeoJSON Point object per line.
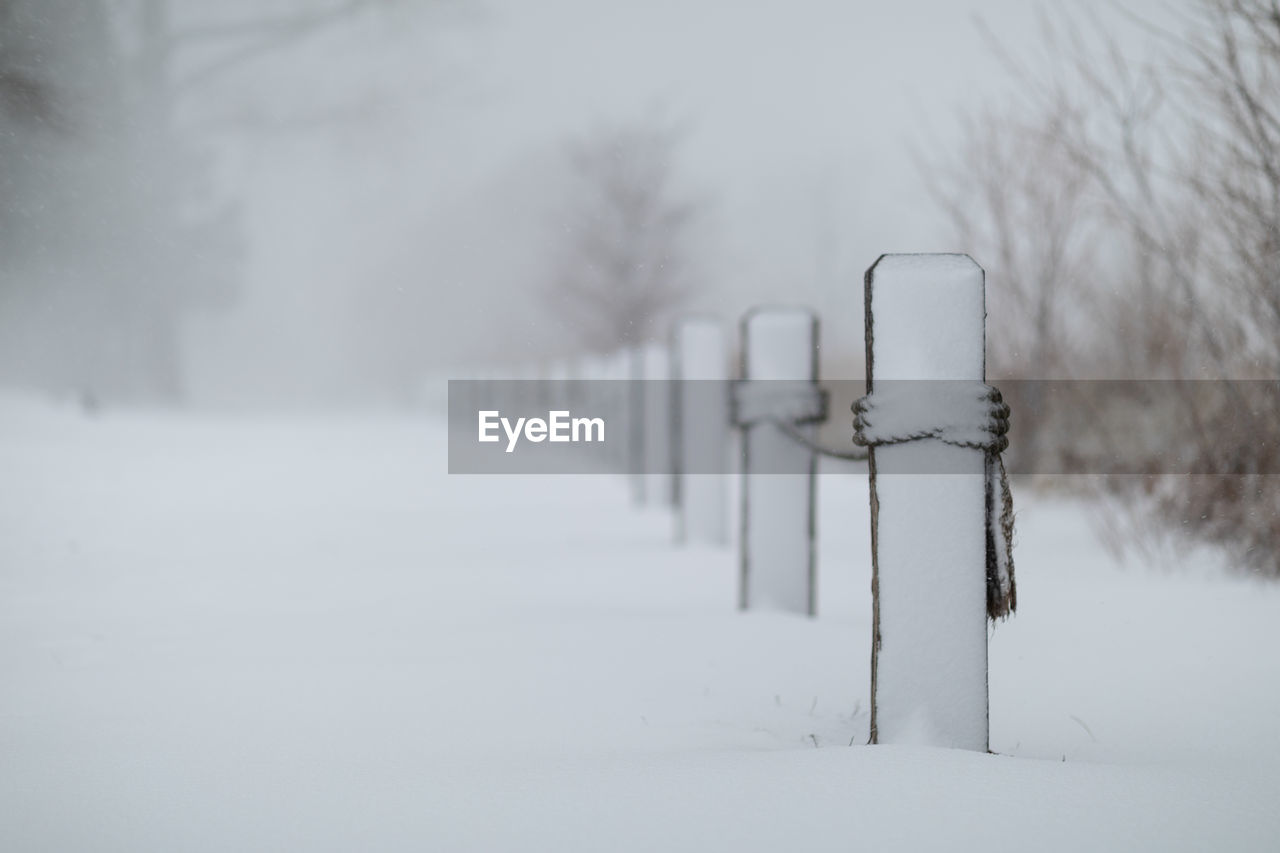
{"type": "Point", "coordinates": [700, 341]}
{"type": "Point", "coordinates": [780, 343]}
{"type": "Point", "coordinates": [656, 362]}
{"type": "Point", "coordinates": [928, 315]}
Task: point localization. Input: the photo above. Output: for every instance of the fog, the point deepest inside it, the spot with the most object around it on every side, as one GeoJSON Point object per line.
{"type": "Point", "coordinates": [364, 200]}
{"type": "Point", "coordinates": [273, 578]}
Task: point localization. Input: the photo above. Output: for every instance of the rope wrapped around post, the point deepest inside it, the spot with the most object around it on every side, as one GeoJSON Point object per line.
{"type": "Point", "coordinates": [786, 405]}
{"type": "Point", "coordinates": [974, 416]}
{"type": "Point", "coordinates": [778, 401]}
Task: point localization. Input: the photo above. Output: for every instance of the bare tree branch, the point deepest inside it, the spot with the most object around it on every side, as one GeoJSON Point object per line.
{"type": "Point", "coordinates": [624, 261]}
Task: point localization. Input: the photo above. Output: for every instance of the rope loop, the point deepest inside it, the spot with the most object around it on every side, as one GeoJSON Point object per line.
{"type": "Point", "coordinates": [962, 414]}
{"type": "Point", "coordinates": [971, 415]}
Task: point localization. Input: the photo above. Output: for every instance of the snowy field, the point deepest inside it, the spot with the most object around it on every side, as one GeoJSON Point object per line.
{"type": "Point", "coordinates": [234, 634]}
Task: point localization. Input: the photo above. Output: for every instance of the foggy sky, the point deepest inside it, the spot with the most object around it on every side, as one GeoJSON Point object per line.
{"type": "Point", "coordinates": [430, 195]}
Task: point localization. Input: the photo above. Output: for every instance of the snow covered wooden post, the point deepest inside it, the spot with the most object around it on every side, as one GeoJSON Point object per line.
{"type": "Point", "coordinates": [655, 425]}
{"type": "Point", "coordinates": [618, 390]}
{"type": "Point", "coordinates": [558, 383]}
{"type": "Point", "coordinates": [700, 433]}
{"type": "Point", "coordinates": [776, 547]}
{"type": "Point", "coordinates": [925, 320]}
{"type": "Point", "coordinates": [634, 425]}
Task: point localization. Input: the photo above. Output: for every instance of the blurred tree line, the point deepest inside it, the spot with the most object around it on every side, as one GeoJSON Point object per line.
{"type": "Point", "coordinates": [104, 241]}
{"type": "Point", "coordinates": [1128, 214]}
{"type": "Point", "coordinates": [112, 227]}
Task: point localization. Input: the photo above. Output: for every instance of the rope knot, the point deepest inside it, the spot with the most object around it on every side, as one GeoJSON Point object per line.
{"type": "Point", "coordinates": [962, 414]}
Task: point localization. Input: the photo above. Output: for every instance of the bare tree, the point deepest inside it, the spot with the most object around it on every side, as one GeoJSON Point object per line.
{"type": "Point", "coordinates": [1171, 166]}
{"type": "Point", "coordinates": [1018, 203]}
{"type": "Point", "coordinates": [25, 94]}
{"type": "Point", "coordinates": [623, 263]}
{"type": "Point", "coordinates": [110, 235]}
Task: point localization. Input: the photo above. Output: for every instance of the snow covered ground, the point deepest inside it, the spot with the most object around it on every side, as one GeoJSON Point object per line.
{"type": "Point", "coordinates": [304, 635]}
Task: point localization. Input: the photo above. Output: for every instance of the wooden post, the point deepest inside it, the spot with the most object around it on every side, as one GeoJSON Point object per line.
{"type": "Point", "coordinates": [559, 381]}
{"type": "Point", "coordinates": [618, 444]}
{"type": "Point", "coordinates": [700, 432]}
{"type": "Point", "coordinates": [925, 320]}
{"type": "Point", "coordinates": [655, 425]}
{"type": "Point", "coordinates": [635, 423]}
{"type": "Point", "coordinates": [777, 550]}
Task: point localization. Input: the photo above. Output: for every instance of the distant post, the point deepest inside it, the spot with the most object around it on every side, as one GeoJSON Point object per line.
{"type": "Point", "coordinates": [617, 370]}
{"type": "Point", "coordinates": [700, 432]}
{"type": "Point", "coordinates": [779, 393]}
{"type": "Point", "coordinates": [925, 320]}
{"type": "Point", "coordinates": [655, 425]}
{"type": "Point", "coordinates": [635, 422]}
